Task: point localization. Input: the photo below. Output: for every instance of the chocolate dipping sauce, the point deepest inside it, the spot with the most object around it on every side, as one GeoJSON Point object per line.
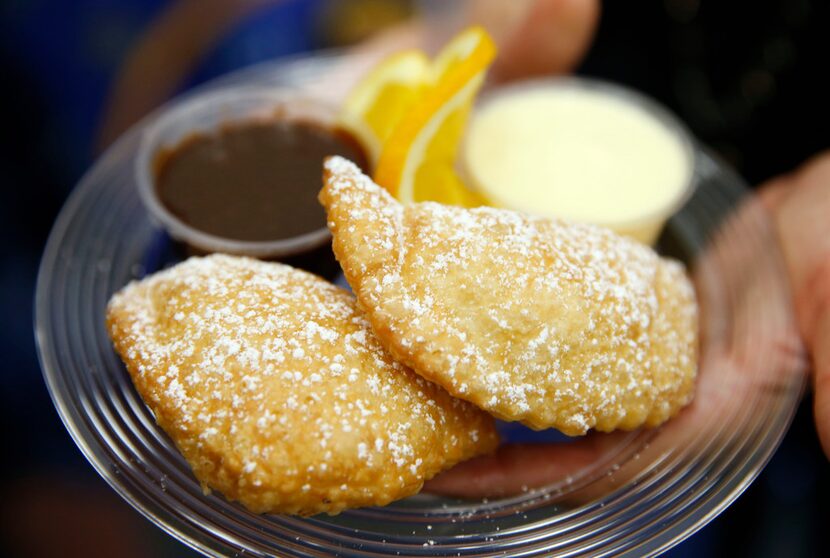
{"type": "Point", "coordinates": [252, 181]}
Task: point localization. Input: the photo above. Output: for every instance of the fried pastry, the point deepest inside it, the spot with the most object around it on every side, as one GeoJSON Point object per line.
{"type": "Point", "coordinates": [534, 320]}
{"type": "Point", "coordinates": [272, 386]}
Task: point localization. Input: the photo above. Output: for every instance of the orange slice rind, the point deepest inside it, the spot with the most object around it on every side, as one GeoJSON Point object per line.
{"type": "Point", "coordinates": [417, 161]}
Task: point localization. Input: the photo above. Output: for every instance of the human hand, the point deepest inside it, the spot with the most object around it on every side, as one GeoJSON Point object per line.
{"type": "Point", "coordinates": [751, 359]}
{"type": "Point", "coordinates": [792, 218]}
{"type": "Point", "coordinates": [800, 206]}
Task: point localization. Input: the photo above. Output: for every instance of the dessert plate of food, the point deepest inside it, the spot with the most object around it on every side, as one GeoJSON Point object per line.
{"type": "Point", "coordinates": [495, 371]}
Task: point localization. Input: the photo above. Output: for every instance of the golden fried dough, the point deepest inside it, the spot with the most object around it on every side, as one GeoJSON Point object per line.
{"type": "Point", "coordinates": [535, 320]}
{"type": "Point", "coordinates": [271, 384]}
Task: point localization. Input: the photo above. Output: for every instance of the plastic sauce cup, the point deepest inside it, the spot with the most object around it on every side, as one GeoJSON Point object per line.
{"type": "Point", "coordinates": [583, 150]}
{"type": "Point", "coordinates": [207, 114]}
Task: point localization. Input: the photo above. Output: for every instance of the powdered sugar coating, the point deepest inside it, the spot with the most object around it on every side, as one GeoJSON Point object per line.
{"type": "Point", "coordinates": [272, 385]}
{"type": "Point", "coordinates": [546, 322]}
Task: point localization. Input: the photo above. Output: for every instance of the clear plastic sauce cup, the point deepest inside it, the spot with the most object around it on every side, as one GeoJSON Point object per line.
{"type": "Point", "coordinates": [583, 150]}
{"type": "Point", "coordinates": [205, 115]}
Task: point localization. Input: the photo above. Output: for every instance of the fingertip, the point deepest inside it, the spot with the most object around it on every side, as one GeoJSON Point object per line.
{"type": "Point", "coordinates": [821, 362]}
{"type": "Point", "coordinates": [822, 414]}
{"type": "Point", "coordinates": [516, 468]}
{"type": "Point", "coordinates": [552, 38]}
{"type": "Point", "coordinates": [772, 193]}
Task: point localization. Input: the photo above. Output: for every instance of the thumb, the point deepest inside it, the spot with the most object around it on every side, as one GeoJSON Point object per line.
{"type": "Point", "coordinates": [552, 38]}
{"type": "Point", "coordinates": [821, 364]}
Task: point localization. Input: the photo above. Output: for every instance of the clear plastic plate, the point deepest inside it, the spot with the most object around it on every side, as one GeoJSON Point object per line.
{"type": "Point", "coordinates": [632, 493]}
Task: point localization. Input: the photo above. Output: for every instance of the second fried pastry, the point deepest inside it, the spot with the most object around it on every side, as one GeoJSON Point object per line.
{"type": "Point", "coordinates": [535, 320]}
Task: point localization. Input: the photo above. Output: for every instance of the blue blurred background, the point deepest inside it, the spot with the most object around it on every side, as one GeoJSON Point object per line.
{"type": "Point", "coordinates": [743, 75]}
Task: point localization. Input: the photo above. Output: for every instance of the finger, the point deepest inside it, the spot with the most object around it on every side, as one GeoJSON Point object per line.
{"type": "Point", "coordinates": [801, 204]}
{"type": "Point", "coordinates": [821, 362]}
{"type": "Point", "coordinates": [774, 193]}
{"type": "Point", "coordinates": [801, 219]}
{"type": "Point", "coordinates": [515, 468]}
{"type": "Point", "coordinates": [552, 38]}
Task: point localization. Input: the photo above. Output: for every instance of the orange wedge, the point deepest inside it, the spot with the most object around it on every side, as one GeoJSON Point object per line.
{"type": "Point", "coordinates": [379, 101]}
{"type": "Point", "coordinates": [417, 160]}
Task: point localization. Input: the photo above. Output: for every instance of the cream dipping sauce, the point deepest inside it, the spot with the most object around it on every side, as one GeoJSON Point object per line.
{"type": "Point", "coordinates": [579, 153]}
